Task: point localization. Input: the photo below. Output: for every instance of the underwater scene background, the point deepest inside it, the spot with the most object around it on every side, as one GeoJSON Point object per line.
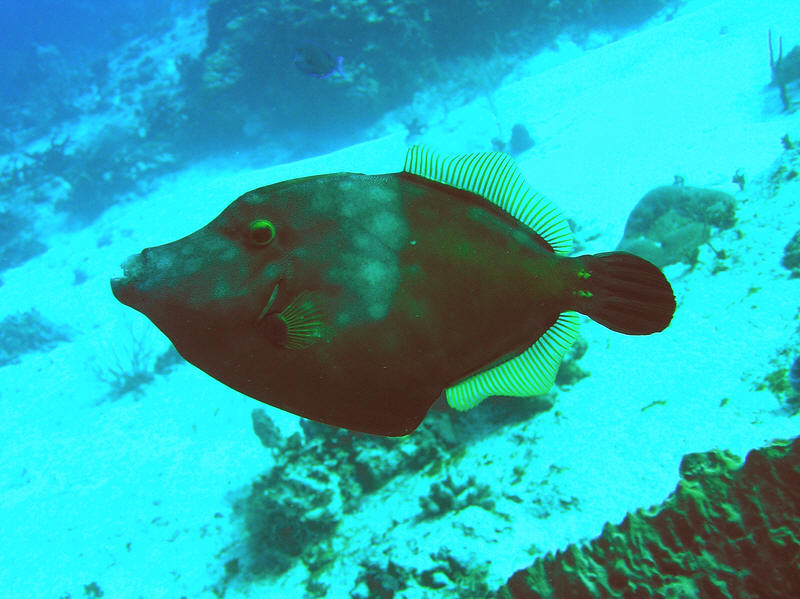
{"type": "Point", "coordinates": [666, 128]}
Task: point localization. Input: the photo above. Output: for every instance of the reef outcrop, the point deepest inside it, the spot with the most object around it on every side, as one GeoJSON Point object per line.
{"type": "Point", "coordinates": [671, 222]}
{"type": "Point", "coordinates": [728, 530]}
{"type": "Point", "coordinates": [390, 50]}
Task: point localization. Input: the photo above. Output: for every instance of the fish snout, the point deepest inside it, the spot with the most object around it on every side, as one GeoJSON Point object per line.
{"type": "Point", "coordinates": [136, 271]}
{"type": "Point", "coordinates": [133, 267]}
{"type": "Point", "coordinates": [122, 287]}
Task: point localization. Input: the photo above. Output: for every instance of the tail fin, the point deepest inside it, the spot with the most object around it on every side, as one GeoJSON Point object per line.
{"type": "Point", "coordinates": [625, 293]}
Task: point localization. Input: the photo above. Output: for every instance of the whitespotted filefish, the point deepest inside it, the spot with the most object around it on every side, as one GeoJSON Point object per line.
{"type": "Point", "coordinates": [357, 300]}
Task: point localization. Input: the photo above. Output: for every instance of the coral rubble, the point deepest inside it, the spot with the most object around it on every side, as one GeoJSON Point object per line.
{"type": "Point", "coordinates": [28, 332]}
{"type": "Point", "coordinates": [291, 511]}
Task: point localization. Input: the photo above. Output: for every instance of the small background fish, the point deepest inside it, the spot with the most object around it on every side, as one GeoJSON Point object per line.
{"type": "Point", "coordinates": [314, 60]}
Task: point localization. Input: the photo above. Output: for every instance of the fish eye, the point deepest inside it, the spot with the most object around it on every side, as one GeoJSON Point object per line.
{"type": "Point", "coordinates": [262, 232]}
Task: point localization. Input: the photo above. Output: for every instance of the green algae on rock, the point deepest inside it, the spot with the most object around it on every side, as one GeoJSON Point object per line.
{"type": "Point", "coordinates": [728, 530]}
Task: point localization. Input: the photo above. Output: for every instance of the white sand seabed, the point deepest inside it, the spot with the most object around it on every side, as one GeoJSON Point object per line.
{"type": "Point", "coordinates": [135, 494]}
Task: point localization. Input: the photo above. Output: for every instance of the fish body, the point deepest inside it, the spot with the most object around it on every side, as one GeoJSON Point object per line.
{"type": "Point", "coordinates": [312, 59]}
{"type": "Point", "coordinates": [356, 300]}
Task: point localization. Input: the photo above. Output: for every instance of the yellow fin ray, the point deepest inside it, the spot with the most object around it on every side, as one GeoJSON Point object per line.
{"type": "Point", "coordinates": [532, 372]}
{"type": "Point", "coordinates": [495, 177]}
{"type": "Point", "coordinates": [305, 321]}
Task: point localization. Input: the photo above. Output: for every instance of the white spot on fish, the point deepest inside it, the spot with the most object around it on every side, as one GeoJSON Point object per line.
{"type": "Point", "coordinates": [385, 224]}
{"type": "Point", "coordinates": [377, 311]}
{"type": "Point", "coordinates": [375, 273]}
{"type": "Point", "coordinates": [231, 254]}
{"type": "Point", "coordinates": [373, 229]}
{"type": "Point", "coordinates": [272, 271]}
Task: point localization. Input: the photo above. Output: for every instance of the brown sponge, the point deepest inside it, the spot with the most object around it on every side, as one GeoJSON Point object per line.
{"type": "Point", "coordinates": [728, 530]}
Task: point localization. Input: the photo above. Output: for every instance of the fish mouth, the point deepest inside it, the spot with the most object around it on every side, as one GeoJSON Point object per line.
{"type": "Point", "coordinates": [133, 268]}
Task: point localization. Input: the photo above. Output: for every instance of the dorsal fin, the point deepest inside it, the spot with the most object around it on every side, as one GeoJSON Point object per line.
{"type": "Point", "coordinates": [530, 373]}
{"type": "Point", "coordinates": [496, 177]}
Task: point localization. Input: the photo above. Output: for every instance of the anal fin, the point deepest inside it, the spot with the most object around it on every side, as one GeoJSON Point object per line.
{"type": "Point", "coordinates": [532, 372]}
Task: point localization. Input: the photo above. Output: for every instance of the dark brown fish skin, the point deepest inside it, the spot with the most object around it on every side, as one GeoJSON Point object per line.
{"type": "Point", "coordinates": [464, 285]}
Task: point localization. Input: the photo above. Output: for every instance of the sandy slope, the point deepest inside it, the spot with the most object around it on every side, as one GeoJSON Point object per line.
{"type": "Point", "coordinates": [133, 494]}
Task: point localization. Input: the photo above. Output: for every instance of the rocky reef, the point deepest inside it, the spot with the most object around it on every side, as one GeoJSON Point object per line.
{"type": "Point", "coordinates": [290, 515]}
{"type": "Point", "coordinates": [671, 222]}
{"type": "Point", "coordinates": [86, 134]}
{"type": "Point", "coordinates": [292, 510]}
{"type": "Point", "coordinates": [389, 49]}
{"type": "Point", "coordinates": [728, 530]}
{"type": "Point", "coordinates": [326, 472]}
{"type": "Point", "coordinates": [28, 332]}
{"type": "Point", "coordinates": [791, 255]}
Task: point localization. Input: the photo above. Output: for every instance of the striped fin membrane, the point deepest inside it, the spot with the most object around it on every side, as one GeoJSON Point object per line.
{"type": "Point", "coordinates": [533, 372]}
{"type": "Point", "coordinates": [496, 177]}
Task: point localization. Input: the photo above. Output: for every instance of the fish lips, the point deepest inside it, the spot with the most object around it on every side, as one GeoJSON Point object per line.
{"type": "Point", "coordinates": [133, 268]}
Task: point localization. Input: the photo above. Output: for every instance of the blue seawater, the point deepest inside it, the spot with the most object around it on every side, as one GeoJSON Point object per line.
{"type": "Point", "coordinates": [76, 29]}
